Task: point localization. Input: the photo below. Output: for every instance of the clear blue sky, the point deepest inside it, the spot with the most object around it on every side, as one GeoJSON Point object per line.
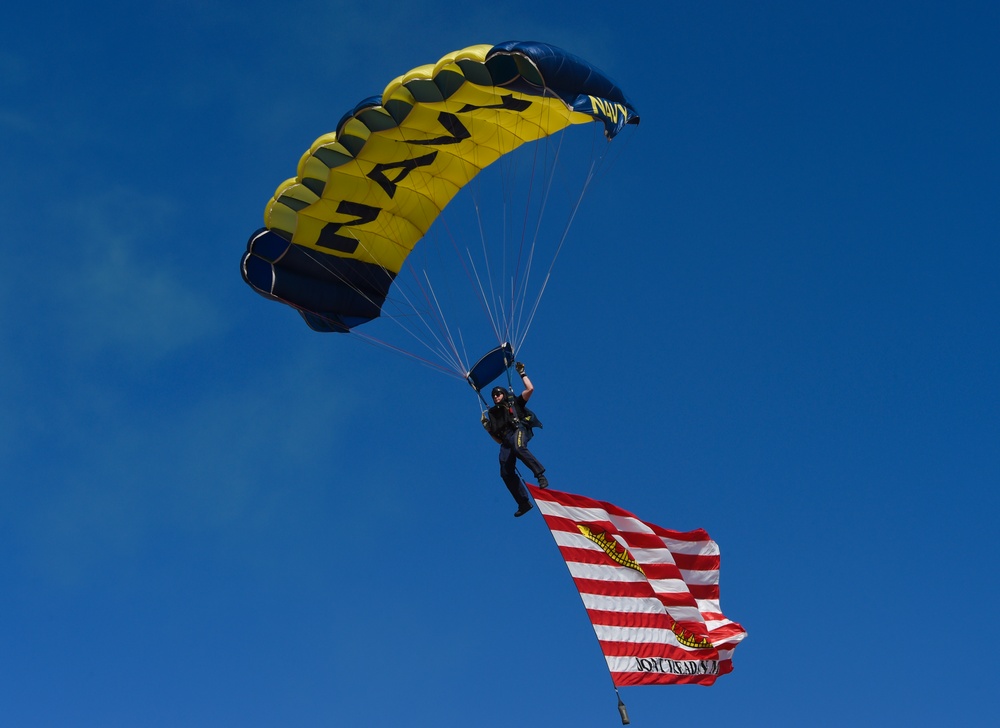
{"type": "Point", "coordinates": [777, 319]}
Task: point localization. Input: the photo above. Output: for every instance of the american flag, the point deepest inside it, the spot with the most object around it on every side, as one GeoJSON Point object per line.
{"type": "Point", "coordinates": [652, 594]}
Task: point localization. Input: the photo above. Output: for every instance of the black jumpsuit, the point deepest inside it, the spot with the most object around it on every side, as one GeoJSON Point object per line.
{"type": "Point", "coordinates": [507, 425]}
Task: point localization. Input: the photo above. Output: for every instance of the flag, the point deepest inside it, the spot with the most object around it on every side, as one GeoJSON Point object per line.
{"type": "Point", "coordinates": [652, 594]}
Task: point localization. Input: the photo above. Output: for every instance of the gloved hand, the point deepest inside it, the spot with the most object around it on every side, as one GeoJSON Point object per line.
{"type": "Point", "coordinates": [485, 420]}
{"type": "Point", "coordinates": [520, 368]}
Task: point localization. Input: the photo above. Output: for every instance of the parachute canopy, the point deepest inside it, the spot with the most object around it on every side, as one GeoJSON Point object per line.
{"type": "Point", "coordinates": [336, 235]}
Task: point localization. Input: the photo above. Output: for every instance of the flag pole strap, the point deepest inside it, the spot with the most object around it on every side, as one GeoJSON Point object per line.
{"type": "Point", "coordinates": [622, 711]}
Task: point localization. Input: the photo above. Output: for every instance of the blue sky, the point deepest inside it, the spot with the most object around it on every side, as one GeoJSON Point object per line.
{"type": "Point", "coordinates": [776, 318]}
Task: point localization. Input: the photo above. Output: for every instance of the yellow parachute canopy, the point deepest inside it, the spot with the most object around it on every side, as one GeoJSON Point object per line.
{"type": "Point", "coordinates": [337, 234]}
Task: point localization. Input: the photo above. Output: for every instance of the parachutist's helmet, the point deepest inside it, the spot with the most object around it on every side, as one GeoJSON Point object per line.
{"type": "Point", "coordinates": [499, 390]}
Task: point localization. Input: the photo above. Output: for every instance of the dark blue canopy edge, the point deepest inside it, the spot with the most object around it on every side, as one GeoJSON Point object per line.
{"type": "Point", "coordinates": [551, 70]}
{"type": "Point", "coordinates": [331, 293]}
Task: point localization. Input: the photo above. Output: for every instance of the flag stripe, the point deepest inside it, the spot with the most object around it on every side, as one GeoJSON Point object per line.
{"type": "Point", "coordinates": [632, 605]}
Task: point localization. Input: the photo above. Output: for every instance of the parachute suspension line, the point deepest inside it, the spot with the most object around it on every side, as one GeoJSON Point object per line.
{"type": "Point", "coordinates": [484, 301]}
{"type": "Point", "coordinates": [441, 351]}
{"type": "Point", "coordinates": [470, 270]}
{"type": "Point", "coordinates": [465, 351]}
{"type": "Point", "coordinates": [454, 369]}
{"type": "Point", "coordinates": [547, 156]}
{"type": "Point", "coordinates": [601, 158]}
{"type": "Point", "coordinates": [510, 321]}
{"type": "Point", "coordinates": [522, 297]}
{"type": "Point", "coordinates": [374, 341]}
{"type": "Point", "coordinates": [618, 150]}
{"type": "Point", "coordinates": [433, 311]}
{"type": "Point", "coordinates": [506, 170]}
{"type": "Point", "coordinates": [517, 281]}
{"type": "Point", "coordinates": [442, 336]}
{"type": "Point", "coordinates": [562, 241]}
{"type": "Point", "coordinates": [497, 312]}
{"type": "Point", "coordinates": [469, 266]}
{"type": "Point", "coordinates": [448, 350]}
{"type": "Point", "coordinates": [371, 340]}
{"type": "Point", "coordinates": [440, 332]}
{"type": "Point", "coordinates": [446, 331]}
{"type": "Point", "coordinates": [505, 262]}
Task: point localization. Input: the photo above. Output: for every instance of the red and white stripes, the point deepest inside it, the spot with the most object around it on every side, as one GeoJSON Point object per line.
{"type": "Point", "coordinates": [652, 594]}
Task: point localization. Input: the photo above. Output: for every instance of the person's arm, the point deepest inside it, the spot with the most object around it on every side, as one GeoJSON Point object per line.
{"type": "Point", "coordinates": [487, 420]}
{"type": "Point", "coordinates": [529, 388]}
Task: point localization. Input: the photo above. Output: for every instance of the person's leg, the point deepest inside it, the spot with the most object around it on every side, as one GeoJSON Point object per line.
{"type": "Point", "coordinates": [525, 456]}
{"type": "Point", "coordinates": [508, 474]}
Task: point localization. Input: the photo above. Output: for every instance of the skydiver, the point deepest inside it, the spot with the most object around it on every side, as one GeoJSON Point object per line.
{"type": "Point", "coordinates": [510, 422]}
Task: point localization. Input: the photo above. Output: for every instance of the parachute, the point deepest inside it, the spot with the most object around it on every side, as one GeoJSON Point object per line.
{"type": "Point", "coordinates": [336, 236]}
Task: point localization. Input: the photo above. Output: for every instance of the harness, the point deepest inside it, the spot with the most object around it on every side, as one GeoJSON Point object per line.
{"type": "Point", "coordinates": [516, 415]}
{"type": "Point", "coordinates": [511, 419]}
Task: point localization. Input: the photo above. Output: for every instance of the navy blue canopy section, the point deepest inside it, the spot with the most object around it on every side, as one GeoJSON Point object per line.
{"type": "Point", "coordinates": [490, 367]}
{"type": "Point", "coordinates": [546, 70]}
{"type": "Point", "coordinates": [332, 293]}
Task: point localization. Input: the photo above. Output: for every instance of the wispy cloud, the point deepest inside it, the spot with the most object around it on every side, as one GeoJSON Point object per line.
{"type": "Point", "coordinates": [228, 464]}
{"type": "Point", "coordinates": [123, 290]}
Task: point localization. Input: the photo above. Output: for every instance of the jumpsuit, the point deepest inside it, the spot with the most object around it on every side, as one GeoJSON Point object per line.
{"type": "Point", "coordinates": [514, 436]}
